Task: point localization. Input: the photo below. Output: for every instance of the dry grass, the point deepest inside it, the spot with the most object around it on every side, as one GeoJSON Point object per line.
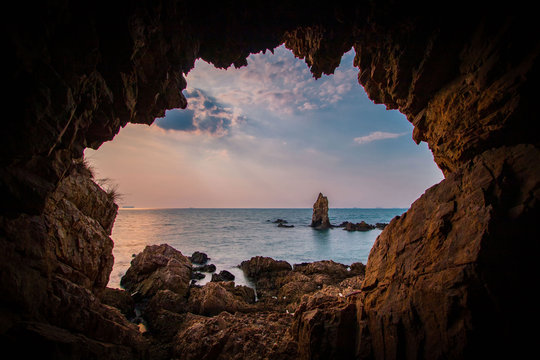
{"type": "Point", "coordinates": [110, 188]}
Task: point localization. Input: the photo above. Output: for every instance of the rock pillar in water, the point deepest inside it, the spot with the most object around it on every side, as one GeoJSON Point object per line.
{"type": "Point", "coordinates": [320, 219]}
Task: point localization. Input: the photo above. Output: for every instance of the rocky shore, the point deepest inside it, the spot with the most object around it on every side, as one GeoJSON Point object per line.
{"type": "Point", "coordinates": [279, 319]}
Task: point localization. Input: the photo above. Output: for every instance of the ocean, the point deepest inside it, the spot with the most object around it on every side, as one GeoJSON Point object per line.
{"type": "Point", "coordinates": [230, 236]}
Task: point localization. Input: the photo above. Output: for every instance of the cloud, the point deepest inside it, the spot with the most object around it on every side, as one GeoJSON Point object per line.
{"type": "Point", "coordinates": [377, 135]}
{"type": "Point", "coordinates": [204, 114]}
{"type": "Point", "coordinates": [279, 83]}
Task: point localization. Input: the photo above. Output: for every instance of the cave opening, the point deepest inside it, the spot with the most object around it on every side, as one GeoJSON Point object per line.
{"type": "Point", "coordinates": [451, 278]}
{"type": "Point", "coordinates": [263, 136]}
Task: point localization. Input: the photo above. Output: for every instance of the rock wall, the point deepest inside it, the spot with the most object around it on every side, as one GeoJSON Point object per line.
{"type": "Point", "coordinates": [53, 267]}
{"type": "Point", "coordinates": [449, 278]}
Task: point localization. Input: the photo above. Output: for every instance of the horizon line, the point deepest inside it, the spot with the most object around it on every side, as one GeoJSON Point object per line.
{"type": "Point", "coordinates": [129, 207]}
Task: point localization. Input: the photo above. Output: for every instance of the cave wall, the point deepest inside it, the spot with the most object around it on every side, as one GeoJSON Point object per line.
{"type": "Point", "coordinates": [463, 74]}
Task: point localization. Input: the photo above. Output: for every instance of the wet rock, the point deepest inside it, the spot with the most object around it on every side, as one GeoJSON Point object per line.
{"type": "Point", "coordinates": [158, 267]}
{"type": "Point", "coordinates": [361, 226]}
{"type": "Point", "coordinates": [280, 221]}
{"type": "Point", "coordinates": [319, 219]}
{"type": "Point", "coordinates": [197, 275]}
{"type": "Point", "coordinates": [209, 268]}
{"type": "Point", "coordinates": [223, 275]}
{"type": "Point", "coordinates": [281, 225]}
{"type": "Point", "coordinates": [381, 226]}
{"type": "Point", "coordinates": [199, 258]}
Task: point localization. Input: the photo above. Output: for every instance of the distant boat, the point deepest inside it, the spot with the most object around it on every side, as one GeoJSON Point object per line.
{"type": "Point", "coordinates": [128, 207]}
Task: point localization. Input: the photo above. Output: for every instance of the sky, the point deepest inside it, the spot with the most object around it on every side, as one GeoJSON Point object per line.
{"type": "Point", "coordinates": [269, 136]}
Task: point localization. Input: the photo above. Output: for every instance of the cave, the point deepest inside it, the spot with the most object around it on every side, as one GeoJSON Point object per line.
{"type": "Point", "coordinates": [451, 278]}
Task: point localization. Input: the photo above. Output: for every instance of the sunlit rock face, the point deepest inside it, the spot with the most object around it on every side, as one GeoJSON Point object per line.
{"type": "Point", "coordinates": [450, 278]}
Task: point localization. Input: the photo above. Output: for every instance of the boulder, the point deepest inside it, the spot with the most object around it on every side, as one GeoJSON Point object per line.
{"type": "Point", "coordinates": [197, 275]}
{"type": "Point", "coordinates": [215, 297]}
{"type": "Point", "coordinates": [331, 271]}
{"type": "Point", "coordinates": [361, 226]}
{"type": "Point", "coordinates": [199, 258]}
{"type": "Point", "coordinates": [381, 226]}
{"type": "Point", "coordinates": [319, 219]}
{"type": "Point", "coordinates": [357, 268]}
{"type": "Point", "coordinates": [117, 298]}
{"type": "Point", "coordinates": [158, 267]}
{"type": "Point", "coordinates": [223, 275]}
{"type": "Point", "coordinates": [209, 268]}
{"type": "Point", "coordinates": [260, 266]}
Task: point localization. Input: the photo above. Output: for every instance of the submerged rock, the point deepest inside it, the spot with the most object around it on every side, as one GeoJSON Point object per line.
{"type": "Point", "coordinates": [361, 226]}
{"type": "Point", "coordinates": [223, 275]}
{"type": "Point", "coordinates": [381, 226]}
{"type": "Point", "coordinates": [281, 225]}
{"type": "Point", "coordinates": [319, 219]}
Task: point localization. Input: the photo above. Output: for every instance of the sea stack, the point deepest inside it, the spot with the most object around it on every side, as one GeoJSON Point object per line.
{"type": "Point", "coordinates": [320, 220]}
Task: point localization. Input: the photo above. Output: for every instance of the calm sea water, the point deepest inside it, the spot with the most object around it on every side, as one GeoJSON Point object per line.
{"type": "Point", "coordinates": [230, 236]}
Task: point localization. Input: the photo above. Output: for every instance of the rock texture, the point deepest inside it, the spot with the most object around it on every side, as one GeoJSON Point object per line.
{"type": "Point", "coordinates": [55, 267]}
{"type": "Point", "coordinates": [464, 74]}
{"type": "Point", "coordinates": [158, 267]}
{"type": "Point", "coordinates": [319, 219]}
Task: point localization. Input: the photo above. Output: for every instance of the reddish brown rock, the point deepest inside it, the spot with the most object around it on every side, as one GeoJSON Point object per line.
{"type": "Point", "coordinates": [158, 267]}
{"type": "Point", "coordinates": [319, 219]}
{"type": "Point", "coordinates": [216, 297]}
{"type": "Point", "coordinates": [240, 336]}
{"type": "Point", "coordinates": [438, 270]}
{"type": "Point", "coordinates": [260, 266]}
{"type": "Point", "coordinates": [324, 324]}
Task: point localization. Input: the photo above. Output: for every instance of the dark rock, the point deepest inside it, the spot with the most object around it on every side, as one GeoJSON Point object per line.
{"type": "Point", "coordinates": [197, 276]}
{"type": "Point", "coordinates": [361, 226]}
{"type": "Point", "coordinates": [209, 268]}
{"type": "Point", "coordinates": [199, 258]}
{"type": "Point", "coordinates": [280, 221]}
{"type": "Point", "coordinates": [319, 219]}
{"type": "Point", "coordinates": [381, 226]}
{"type": "Point", "coordinates": [164, 313]}
{"type": "Point", "coordinates": [119, 299]}
{"type": "Point", "coordinates": [223, 275]}
{"type": "Point", "coordinates": [281, 225]}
